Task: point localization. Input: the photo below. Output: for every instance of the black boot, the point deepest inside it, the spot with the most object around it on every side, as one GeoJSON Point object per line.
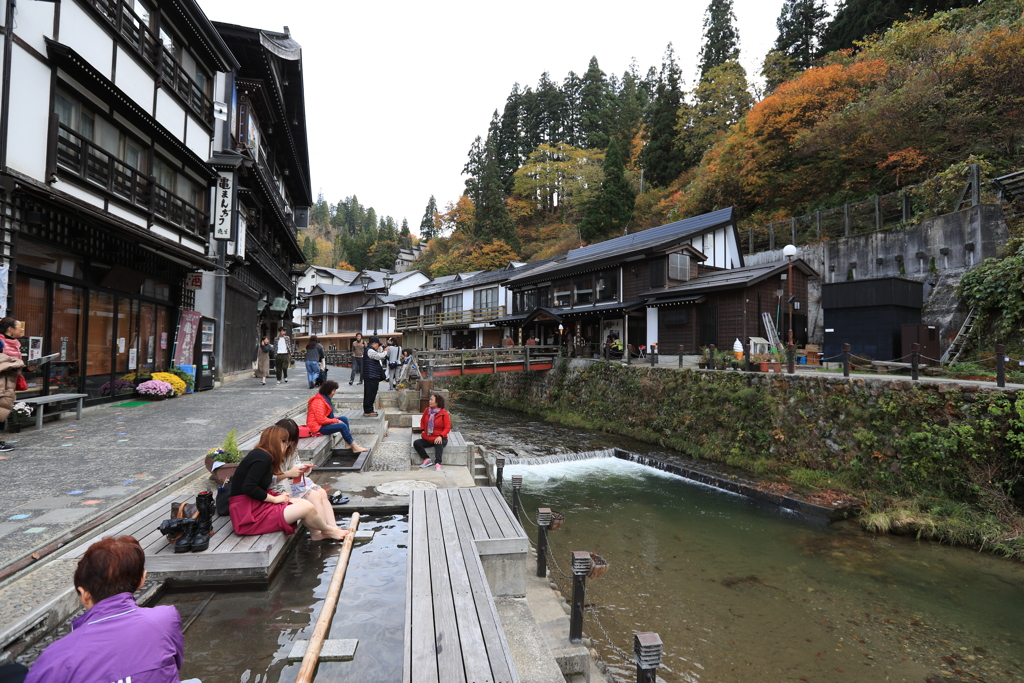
{"type": "Point", "coordinates": [204, 524]}
{"type": "Point", "coordinates": [187, 527]}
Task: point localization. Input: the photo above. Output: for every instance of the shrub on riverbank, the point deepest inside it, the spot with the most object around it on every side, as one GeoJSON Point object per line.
{"type": "Point", "coordinates": [939, 461]}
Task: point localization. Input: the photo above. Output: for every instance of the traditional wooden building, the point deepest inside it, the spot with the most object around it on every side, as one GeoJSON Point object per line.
{"type": "Point", "coordinates": [263, 192]}
{"type": "Point", "coordinates": [602, 290]}
{"type": "Point", "coordinates": [106, 122]}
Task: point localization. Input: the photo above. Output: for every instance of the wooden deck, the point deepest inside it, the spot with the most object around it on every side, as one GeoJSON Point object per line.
{"type": "Point", "coordinates": [452, 631]}
{"type": "Point", "coordinates": [230, 557]}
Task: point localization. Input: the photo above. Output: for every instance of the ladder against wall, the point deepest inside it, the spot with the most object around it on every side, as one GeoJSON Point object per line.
{"type": "Point", "coordinates": [773, 334]}
{"type": "Point", "coordinates": [959, 342]}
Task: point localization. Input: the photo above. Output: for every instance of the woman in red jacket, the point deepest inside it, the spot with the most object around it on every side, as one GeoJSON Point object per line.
{"type": "Point", "coordinates": [320, 416]}
{"type": "Point", "coordinates": [435, 423]}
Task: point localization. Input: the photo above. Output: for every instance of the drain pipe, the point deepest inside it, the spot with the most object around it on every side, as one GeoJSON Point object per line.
{"type": "Point", "coordinates": [316, 641]}
{"type": "Point", "coordinates": [580, 568]}
{"type": "Point", "coordinates": [543, 522]}
{"type": "Point", "coordinates": [647, 654]}
{"type": "Point", "coordinates": [517, 485]}
{"type": "Point", "coordinates": [499, 464]}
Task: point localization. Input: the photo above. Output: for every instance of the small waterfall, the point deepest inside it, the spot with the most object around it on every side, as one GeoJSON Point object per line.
{"type": "Point", "coordinates": [562, 457]}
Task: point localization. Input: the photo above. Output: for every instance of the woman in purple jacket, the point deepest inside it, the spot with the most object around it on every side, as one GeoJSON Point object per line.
{"type": "Point", "coordinates": [115, 640]}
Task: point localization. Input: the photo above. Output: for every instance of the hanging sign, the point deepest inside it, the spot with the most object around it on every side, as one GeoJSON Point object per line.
{"type": "Point", "coordinates": [194, 281]}
{"type": "Point", "coordinates": [222, 206]}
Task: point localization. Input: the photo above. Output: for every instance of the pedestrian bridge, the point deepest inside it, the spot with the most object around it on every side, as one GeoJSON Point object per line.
{"type": "Point", "coordinates": [485, 361]}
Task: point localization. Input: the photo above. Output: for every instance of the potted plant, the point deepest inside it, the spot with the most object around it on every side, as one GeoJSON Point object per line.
{"type": "Point", "coordinates": [705, 357]}
{"type": "Point", "coordinates": [155, 389]}
{"type": "Point", "coordinates": [228, 455]}
{"type": "Point", "coordinates": [22, 413]}
{"type": "Point", "coordinates": [762, 360]}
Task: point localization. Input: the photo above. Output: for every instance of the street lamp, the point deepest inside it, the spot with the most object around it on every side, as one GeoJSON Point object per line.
{"type": "Point", "coordinates": [789, 251]}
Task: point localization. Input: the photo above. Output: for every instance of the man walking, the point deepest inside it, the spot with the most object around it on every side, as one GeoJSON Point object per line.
{"type": "Point", "coordinates": [373, 373]}
{"type": "Point", "coordinates": [281, 359]}
{"type": "Point", "coordinates": [394, 363]}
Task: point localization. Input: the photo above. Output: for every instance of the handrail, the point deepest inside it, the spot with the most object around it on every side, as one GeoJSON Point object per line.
{"type": "Point", "coordinates": [90, 162]}
{"type": "Point", "coordinates": [473, 315]}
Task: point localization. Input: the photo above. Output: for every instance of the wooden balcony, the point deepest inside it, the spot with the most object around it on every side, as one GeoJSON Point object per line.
{"type": "Point", "coordinates": [449, 318]}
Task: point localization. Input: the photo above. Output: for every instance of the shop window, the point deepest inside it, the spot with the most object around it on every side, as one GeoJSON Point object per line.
{"type": "Point", "coordinates": [607, 285]}
{"type": "Point", "coordinates": [583, 288]}
{"type": "Point", "coordinates": [563, 299]}
{"type": "Point", "coordinates": [99, 343]}
{"type": "Point", "coordinates": [31, 309]}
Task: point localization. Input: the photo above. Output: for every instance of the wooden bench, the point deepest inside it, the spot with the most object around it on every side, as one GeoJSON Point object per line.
{"type": "Point", "coordinates": [452, 629]}
{"type": "Point", "coordinates": [40, 401]}
{"type": "Point", "coordinates": [884, 366]}
{"type": "Point", "coordinates": [457, 452]}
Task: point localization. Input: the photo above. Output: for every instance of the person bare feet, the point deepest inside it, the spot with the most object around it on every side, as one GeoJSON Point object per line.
{"type": "Point", "coordinates": [356, 448]}
{"type": "Point", "coordinates": [335, 534]}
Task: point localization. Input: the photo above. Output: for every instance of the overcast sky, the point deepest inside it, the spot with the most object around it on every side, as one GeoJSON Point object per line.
{"type": "Point", "coordinates": [396, 91]}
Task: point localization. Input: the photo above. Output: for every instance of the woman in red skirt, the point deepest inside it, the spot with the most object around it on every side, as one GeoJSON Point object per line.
{"type": "Point", "coordinates": [254, 511]}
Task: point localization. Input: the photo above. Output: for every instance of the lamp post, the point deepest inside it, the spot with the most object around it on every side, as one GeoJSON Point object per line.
{"type": "Point", "coordinates": [789, 251]}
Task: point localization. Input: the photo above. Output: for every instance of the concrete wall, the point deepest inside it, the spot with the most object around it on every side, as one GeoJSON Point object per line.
{"type": "Point", "coordinates": [936, 252]}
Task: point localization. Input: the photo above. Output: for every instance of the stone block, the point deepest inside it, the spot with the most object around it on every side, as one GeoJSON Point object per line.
{"type": "Point", "coordinates": [332, 650]}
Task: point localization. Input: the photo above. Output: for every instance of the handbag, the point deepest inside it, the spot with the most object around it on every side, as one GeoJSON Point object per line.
{"type": "Point", "coordinates": [20, 384]}
{"type": "Point", "coordinates": [223, 497]}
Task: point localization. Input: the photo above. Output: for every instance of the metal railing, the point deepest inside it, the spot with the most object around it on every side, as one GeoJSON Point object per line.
{"type": "Point", "coordinates": [473, 315]}
{"type": "Point", "coordinates": [90, 162]}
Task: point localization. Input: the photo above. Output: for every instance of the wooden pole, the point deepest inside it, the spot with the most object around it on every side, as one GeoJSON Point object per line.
{"type": "Point", "coordinates": [316, 641]}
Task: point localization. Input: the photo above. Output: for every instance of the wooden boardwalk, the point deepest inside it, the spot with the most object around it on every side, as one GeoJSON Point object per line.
{"type": "Point", "coordinates": [452, 632]}
{"type": "Point", "coordinates": [230, 557]}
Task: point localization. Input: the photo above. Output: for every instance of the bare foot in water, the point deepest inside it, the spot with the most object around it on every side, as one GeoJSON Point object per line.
{"type": "Point", "coordinates": [335, 534]}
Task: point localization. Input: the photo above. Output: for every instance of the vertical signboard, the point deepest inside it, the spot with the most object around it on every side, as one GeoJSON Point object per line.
{"type": "Point", "coordinates": [222, 206]}
{"type": "Point", "coordinates": [185, 340]}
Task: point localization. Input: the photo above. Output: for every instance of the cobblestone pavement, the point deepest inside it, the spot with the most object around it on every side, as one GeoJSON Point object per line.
{"type": "Point", "coordinates": [73, 471]}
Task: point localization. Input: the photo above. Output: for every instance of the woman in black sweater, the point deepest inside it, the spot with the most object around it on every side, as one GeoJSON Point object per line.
{"type": "Point", "coordinates": [256, 511]}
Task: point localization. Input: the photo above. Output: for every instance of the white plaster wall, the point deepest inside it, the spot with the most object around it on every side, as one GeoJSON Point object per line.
{"type": "Point", "coordinates": [652, 325]}
{"type": "Point", "coordinates": [197, 139]}
{"type": "Point", "coordinates": [68, 188]}
{"type": "Point", "coordinates": [164, 232]}
{"type": "Point", "coordinates": [29, 114]}
{"type": "Point", "coordinates": [33, 21]}
{"type": "Point", "coordinates": [410, 284]}
{"type": "Point", "coordinates": [170, 114]}
{"type": "Point", "coordinates": [129, 216]}
{"type": "Point", "coordinates": [79, 32]}
{"type": "Point", "coordinates": [134, 80]}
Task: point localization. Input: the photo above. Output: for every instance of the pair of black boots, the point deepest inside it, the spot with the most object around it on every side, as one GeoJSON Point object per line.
{"type": "Point", "coordinates": [194, 531]}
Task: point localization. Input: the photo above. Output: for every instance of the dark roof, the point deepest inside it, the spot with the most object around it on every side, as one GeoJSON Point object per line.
{"type": "Point", "coordinates": [731, 278]}
{"type": "Point", "coordinates": [613, 250]}
{"type": "Point", "coordinates": [197, 28]}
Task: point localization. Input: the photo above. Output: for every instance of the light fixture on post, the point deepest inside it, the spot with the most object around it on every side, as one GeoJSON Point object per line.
{"type": "Point", "coordinates": [364, 279]}
{"type": "Point", "coordinates": [789, 251]}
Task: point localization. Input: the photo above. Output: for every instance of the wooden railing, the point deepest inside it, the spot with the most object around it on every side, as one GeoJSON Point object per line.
{"type": "Point", "coordinates": [480, 360]}
{"type": "Point", "coordinates": [474, 315]}
{"type": "Point", "coordinates": [88, 161]}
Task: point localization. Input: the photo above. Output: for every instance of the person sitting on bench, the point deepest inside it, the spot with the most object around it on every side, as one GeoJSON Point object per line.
{"type": "Point", "coordinates": [436, 423]}
{"type": "Point", "coordinates": [321, 420]}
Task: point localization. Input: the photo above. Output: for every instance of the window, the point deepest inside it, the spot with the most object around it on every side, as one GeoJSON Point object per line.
{"type": "Point", "coordinates": [485, 298]}
{"type": "Point", "coordinates": [583, 288]}
{"type": "Point", "coordinates": [430, 312]}
{"type": "Point", "coordinates": [656, 267]}
{"type": "Point", "coordinates": [453, 302]}
{"type": "Point", "coordinates": [252, 136]}
{"type": "Point", "coordinates": [563, 298]}
{"type": "Point", "coordinates": [679, 267]}
{"type": "Point", "coordinates": [608, 285]}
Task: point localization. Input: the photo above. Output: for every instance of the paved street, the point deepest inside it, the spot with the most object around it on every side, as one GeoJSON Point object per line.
{"type": "Point", "coordinates": [73, 471]}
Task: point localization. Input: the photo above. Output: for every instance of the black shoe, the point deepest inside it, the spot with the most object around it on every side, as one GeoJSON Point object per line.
{"type": "Point", "coordinates": [310, 386]}
{"type": "Point", "coordinates": [350, 383]}
{"type": "Point", "coordinates": [4, 447]}
{"type": "Point", "coordinates": [204, 524]}
{"type": "Point", "coordinates": [338, 498]}
{"type": "Point", "coordinates": [187, 528]}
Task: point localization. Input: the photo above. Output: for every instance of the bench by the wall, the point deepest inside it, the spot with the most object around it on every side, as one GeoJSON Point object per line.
{"type": "Point", "coordinates": [884, 366]}
{"type": "Point", "coordinates": [457, 452]}
{"type": "Point", "coordinates": [40, 401]}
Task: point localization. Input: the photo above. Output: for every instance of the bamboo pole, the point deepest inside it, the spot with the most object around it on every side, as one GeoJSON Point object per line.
{"type": "Point", "coordinates": [316, 641]}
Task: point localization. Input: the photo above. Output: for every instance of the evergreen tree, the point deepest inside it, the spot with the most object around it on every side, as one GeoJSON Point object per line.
{"type": "Point", "coordinates": [309, 249]}
{"type": "Point", "coordinates": [801, 24]}
{"type": "Point", "coordinates": [405, 235]}
{"type": "Point", "coordinates": [427, 231]}
{"type": "Point", "coordinates": [661, 158]}
{"type": "Point", "coordinates": [612, 208]}
{"type": "Point", "coordinates": [492, 221]}
{"type": "Point", "coordinates": [474, 169]}
{"type": "Point", "coordinates": [320, 214]}
{"type": "Point", "coordinates": [857, 19]}
{"type": "Point", "coordinates": [571, 128]}
{"type": "Point", "coordinates": [510, 154]}
{"type": "Point", "coordinates": [629, 114]}
{"type": "Point", "coordinates": [595, 108]}
{"type": "Point", "coordinates": [720, 100]}
{"type": "Point", "coordinates": [721, 40]}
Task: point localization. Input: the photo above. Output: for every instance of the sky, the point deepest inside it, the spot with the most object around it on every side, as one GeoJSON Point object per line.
{"type": "Point", "coordinates": [397, 91]}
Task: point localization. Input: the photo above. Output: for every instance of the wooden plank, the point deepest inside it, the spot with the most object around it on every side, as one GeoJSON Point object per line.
{"type": "Point", "coordinates": [422, 641]}
{"type": "Point", "coordinates": [474, 652]}
{"type": "Point", "coordinates": [496, 503]}
{"type": "Point", "coordinates": [446, 628]}
{"type": "Point", "coordinates": [407, 628]}
{"type": "Point", "coordinates": [476, 524]}
{"type": "Point", "coordinates": [491, 527]}
{"type": "Point", "coordinates": [490, 625]}
{"type": "Point", "coordinates": [151, 512]}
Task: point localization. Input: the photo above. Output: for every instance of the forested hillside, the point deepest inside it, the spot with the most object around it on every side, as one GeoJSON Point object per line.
{"type": "Point", "coordinates": [351, 236]}
{"type": "Point", "coordinates": [588, 157]}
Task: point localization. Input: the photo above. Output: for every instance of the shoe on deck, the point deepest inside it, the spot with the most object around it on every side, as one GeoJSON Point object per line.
{"type": "Point", "coordinates": [437, 467]}
{"type": "Point", "coordinates": [425, 464]}
{"type": "Point", "coordinates": [369, 414]}
{"type": "Point", "coordinates": [4, 447]}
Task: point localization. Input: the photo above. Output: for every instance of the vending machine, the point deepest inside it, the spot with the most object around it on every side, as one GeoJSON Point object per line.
{"type": "Point", "coordinates": [205, 361]}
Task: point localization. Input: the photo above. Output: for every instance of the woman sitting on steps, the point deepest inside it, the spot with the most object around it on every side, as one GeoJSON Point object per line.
{"type": "Point", "coordinates": [320, 417]}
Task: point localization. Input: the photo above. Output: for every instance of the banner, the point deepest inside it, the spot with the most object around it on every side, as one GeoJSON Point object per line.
{"type": "Point", "coordinates": [185, 339]}
{"type": "Point", "coordinates": [222, 205]}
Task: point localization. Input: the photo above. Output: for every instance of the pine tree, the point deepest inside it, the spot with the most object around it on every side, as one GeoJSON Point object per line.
{"type": "Point", "coordinates": [571, 128]}
{"type": "Point", "coordinates": [320, 214]}
{"type": "Point", "coordinates": [427, 231]}
{"type": "Point", "coordinates": [405, 235]}
{"type": "Point", "coordinates": [309, 249]}
{"type": "Point", "coordinates": [661, 158]}
{"type": "Point", "coordinates": [492, 221]}
{"type": "Point", "coordinates": [720, 100]}
{"type": "Point", "coordinates": [801, 24]}
{"type": "Point", "coordinates": [612, 208]}
{"type": "Point", "coordinates": [510, 157]}
{"type": "Point", "coordinates": [721, 40]}
{"type": "Point", "coordinates": [474, 169]}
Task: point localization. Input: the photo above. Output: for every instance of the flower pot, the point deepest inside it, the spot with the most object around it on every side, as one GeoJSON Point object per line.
{"type": "Point", "coordinates": [222, 473]}
{"type": "Point", "coordinates": [598, 566]}
{"type": "Point", "coordinates": [764, 366]}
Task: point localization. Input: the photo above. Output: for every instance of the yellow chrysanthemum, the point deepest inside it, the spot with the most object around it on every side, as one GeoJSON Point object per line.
{"type": "Point", "coordinates": [176, 382]}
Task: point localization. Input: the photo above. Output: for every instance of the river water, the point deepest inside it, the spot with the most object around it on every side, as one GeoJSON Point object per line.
{"type": "Point", "coordinates": [739, 592]}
